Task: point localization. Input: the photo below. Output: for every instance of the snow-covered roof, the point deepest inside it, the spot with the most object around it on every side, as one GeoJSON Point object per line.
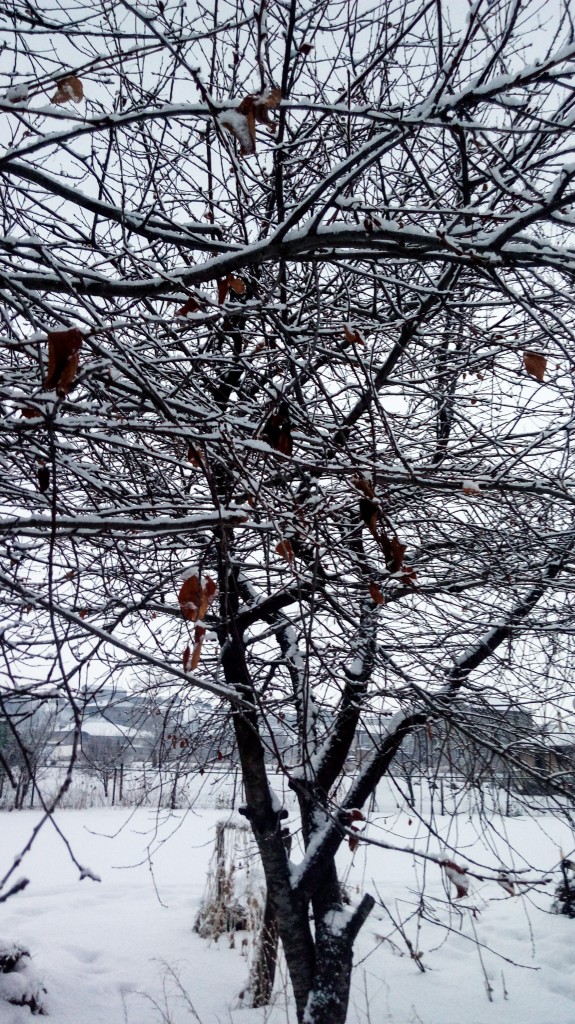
{"type": "Point", "coordinates": [101, 727]}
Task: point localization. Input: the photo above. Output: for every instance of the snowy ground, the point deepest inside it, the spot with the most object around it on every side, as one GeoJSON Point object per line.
{"type": "Point", "coordinates": [122, 951]}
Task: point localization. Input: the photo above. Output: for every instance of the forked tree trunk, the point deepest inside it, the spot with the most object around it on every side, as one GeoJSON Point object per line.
{"type": "Point", "coordinates": [322, 988]}
{"type": "Point", "coordinates": [319, 966]}
{"type": "Point", "coordinates": [328, 999]}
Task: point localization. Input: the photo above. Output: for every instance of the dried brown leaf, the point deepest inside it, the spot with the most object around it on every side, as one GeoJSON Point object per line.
{"type": "Point", "coordinates": [209, 591]}
{"type": "Point", "coordinates": [189, 598]}
{"type": "Point", "coordinates": [263, 104]}
{"type": "Point", "coordinates": [271, 99]}
{"type": "Point", "coordinates": [352, 335]}
{"type": "Point", "coordinates": [241, 121]}
{"type": "Point", "coordinates": [195, 456]}
{"type": "Point", "coordinates": [535, 364]}
{"type": "Point", "coordinates": [285, 550]}
{"type": "Point", "coordinates": [186, 659]}
{"type": "Point", "coordinates": [364, 486]}
{"type": "Point", "coordinates": [236, 284]}
{"type": "Point", "coordinates": [191, 306]}
{"type": "Point", "coordinates": [471, 487]}
{"type": "Point", "coordinates": [222, 290]}
{"type": "Point", "coordinates": [63, 359]}
{"type": "Point", "coordinates": [29, 412]}
{"type": "Point", "coordinates": [398, 550]}
{"type": "Point", "coordinates": [193, 657]}
{"type": "Point", "coordinates": [69, 88]}
{"type": "Point", "coordinates": [458, 876]}
{"type": "Point", "coordinates": [199, 634]}
{"type": "Point", "coordinates": [376, 594]}
{"type": "Point", "coordinates": [246, 137]}
{"type": "Point", "coordinates": [196, 655]}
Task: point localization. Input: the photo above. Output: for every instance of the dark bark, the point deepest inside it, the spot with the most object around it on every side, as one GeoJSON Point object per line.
{"type": "Point", "coordinates": [290, 907]}
{"type": "Point", "coordinates": [320, 970]}
{"type": "Point", "coordinates": [329, 996]}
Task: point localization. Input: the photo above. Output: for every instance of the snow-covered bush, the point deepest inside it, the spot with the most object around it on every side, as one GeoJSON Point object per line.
{"type": "Point", "coordinates": [20, 984]}
{"type": "Point", "coordinates": [235, 892]}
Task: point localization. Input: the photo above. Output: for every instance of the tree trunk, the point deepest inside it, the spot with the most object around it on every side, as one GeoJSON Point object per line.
{"type": "Point", "coordinates": [328, 999]}
{"type": "Point", "coordinates": [335, 936]}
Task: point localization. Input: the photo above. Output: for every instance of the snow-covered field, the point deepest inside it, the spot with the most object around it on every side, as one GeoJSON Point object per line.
{"type": "Point", "coordinates": [123, 950]}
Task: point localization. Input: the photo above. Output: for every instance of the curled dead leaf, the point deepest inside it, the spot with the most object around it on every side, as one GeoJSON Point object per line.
{"type": "Point", "coordinates": [69, 88]}
{"type": "Point", "coordinates": [397, 552]}
{"type": "Point", "coordinates": [241, 122]}
{"type": "Point", "coordinates": [194, 598]}
{"type": "Point", "coordinates": [236, 284]}
{"type": "Point", "coordinates": [230, 283]}
{"type": "Point", "coordinates": [189, 598]}
{"type": "Point", "coordinates": [376, 594]}
{"type": "Point", "coordinates": [394, 552]}
{"type": "Point", "coordinates": [268, 100]}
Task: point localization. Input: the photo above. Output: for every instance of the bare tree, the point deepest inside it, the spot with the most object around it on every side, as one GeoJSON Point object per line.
{"type": "Point", "coordinates": [287, 388]}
